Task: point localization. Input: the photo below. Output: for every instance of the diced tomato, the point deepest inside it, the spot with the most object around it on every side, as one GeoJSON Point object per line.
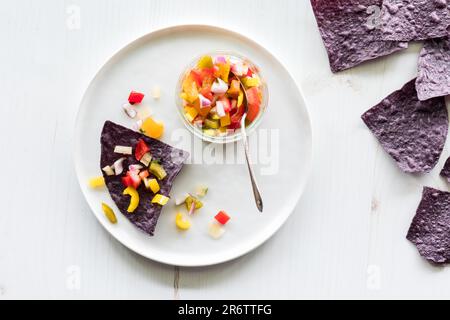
{"type": "Point", "coordinates": [254, 102]}
{"type": "Point", "coordinates": [222, 217]}
{"type": "Point", "coordinates": [197, 77]}
{"type": "Point", "coordinates": [144, 174]}
{"type": "Point", "coordinates": [206, 92]}
{"type": "Point", "coordinates": [141, 149]}
{"type": "Point", "coordinates": [127, 182]}
{"type": "Point", "coordinates": [249, 72]}
{"type": "Point", "coordinates": [235, 124]}
{"type": "Point", "coordinates": [253, 111]}
{"type": "Point", "coordinates": [207, 72]}
{"type": "Point", "coordinates": [254, 96]}
{"type": "Point", "coordinates": [131, 180]}
{"type": "Point", "coordinates": [237, 114]}
{"type": "Point", "coordinates": [135, 97]}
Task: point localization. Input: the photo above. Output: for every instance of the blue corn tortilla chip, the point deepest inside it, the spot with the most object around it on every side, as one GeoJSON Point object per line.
{"type": "Point", "coordinates": [412, 132]}
{"type": "Point", "coordinates": [433, 78]}
{"type": "Point", "coordinates": [412, 20]}
{"type": "Point", "coordinates": [146, 214]}
{"type": "Point", "coordinates": [349, 34]}
{"type": "Point", "coordinates": [430, 228]}
{"type": "Point", "coordinates": [445, 172]}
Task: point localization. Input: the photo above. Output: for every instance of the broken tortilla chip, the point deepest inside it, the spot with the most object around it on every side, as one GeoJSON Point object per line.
{"type": "Point", "coordinates": [350, 32]}
{"type": "Point", "coordinates": [411, 131]}
{"type": "Point", "coordinates": [430, 228]}
{"type": "Point", "coordinates": [433, 78]}
{"type": "Point", "coordinates": [413, 20]}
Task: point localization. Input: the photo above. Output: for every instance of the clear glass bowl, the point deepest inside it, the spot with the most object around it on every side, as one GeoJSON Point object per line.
{"type": "Point", "coordinates": [237, 134]}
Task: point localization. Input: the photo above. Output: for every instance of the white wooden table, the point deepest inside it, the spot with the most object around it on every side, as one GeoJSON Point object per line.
{"type": "Point", "coordinates": [346, 238]}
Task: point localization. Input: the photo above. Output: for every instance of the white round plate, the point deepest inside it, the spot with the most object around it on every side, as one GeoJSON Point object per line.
{"type": "Point", "coordinates": [281, 146]}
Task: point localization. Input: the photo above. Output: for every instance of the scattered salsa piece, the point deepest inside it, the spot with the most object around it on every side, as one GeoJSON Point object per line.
{"type": "Point", "coordinates": [181, 222]}
{"type": "Point", "coordinates": [160, 199]}
{"type": "Point", "coordinates": [215, 230]}
{"type": "Point", "coordinates": [109, 213]}
{"type": "Point", "coordinates": [97, 182]}
{"type": "Point", "coordinates": [201, 191]}
{"type": "Point", "coordinates": [222, 217]}
{"type": "Point", "coordinates": [193, 200]}
{"type": "Point", "coordinates": [156, 92]}
{"type": "Point", "coordinates": [135, 97]}
{"type": "Point", "coordinates": [152, 128]}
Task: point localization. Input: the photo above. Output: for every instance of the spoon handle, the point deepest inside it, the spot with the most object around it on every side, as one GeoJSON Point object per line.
{"type": "Point", "coordinates": [256, 192]}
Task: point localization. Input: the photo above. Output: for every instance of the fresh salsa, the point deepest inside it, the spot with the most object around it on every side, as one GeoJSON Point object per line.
{"type": "Point", "coordinates": [214, 94]}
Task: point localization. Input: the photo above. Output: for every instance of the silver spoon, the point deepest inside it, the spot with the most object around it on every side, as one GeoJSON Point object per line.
{"type": "Point", "coordinates": [256, 192]}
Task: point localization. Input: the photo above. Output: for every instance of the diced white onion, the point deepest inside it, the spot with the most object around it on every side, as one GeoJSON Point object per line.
{"type": "Point", "coordinates": [129, 110]}
{"type": "Point", "coordinates": [220, 59]}
{"type": "Point", "coordinates": [146, 183]}
{"type": "Point", "coordinates": [146, 159]}
{"type": "Point", "coordinates": [239, 69]}
{"type": "Point", "coordinates": [118, 166]}
{"type": "Point", "coordinates": [215, 230]}
{"type": "Point", "coordinates": [220, 109]}
{"type": "Point", "coordinates": [156, 92]}
{"type": "Point", "coordinates": [204, 102]}
{"type": "Point", "coordinates": [219, 86]}
{"type": "Point", "coordinates": [137, 125]}
{"type": "Point", "coordinates": [108, 170]}
{"type": "Point", "coordinates": [123, 150]}
{"type": "Point", "coordinates": [135, 168]}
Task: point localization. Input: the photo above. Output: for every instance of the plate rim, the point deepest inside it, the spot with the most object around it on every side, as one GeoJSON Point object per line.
{"type": "Point", "coordinates": [274, 227]}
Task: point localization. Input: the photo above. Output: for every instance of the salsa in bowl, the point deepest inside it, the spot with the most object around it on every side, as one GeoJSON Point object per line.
{"type": "Point", "coordinates": [212, 94]}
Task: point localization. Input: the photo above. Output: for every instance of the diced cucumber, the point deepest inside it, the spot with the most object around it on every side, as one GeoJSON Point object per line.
{"type": "Point", "coordinates": [157, 170]}
{"type": "Point", "coordinates": [212, 124]}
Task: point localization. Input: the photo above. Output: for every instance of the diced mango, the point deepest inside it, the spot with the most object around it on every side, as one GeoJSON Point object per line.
{"type": "Point", "coordinates": [201, 111]}
{"type": "Point", "coordinates": [191, 113]}
{"type": "Point", "coordinates": [225, 121]}
{"type": "Point", "coordinates": [190, 89]}
{"type": "Point", "coordinates": [250, 82]}
{"type": "Point", "coordinates": [205, 62]}
{"type": "Point", "coordinates": [240, 98]}
{"type": "Point", "coordinates": [97, 182]}
{"type": "Point", "coordinates": [234, 90]}
{"type": "Point", "coordinates": [152, 128]}
{"type": "Point", "coordinates": [184, 96]}
{"type": "Point", "coordinates": [224, 71]}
